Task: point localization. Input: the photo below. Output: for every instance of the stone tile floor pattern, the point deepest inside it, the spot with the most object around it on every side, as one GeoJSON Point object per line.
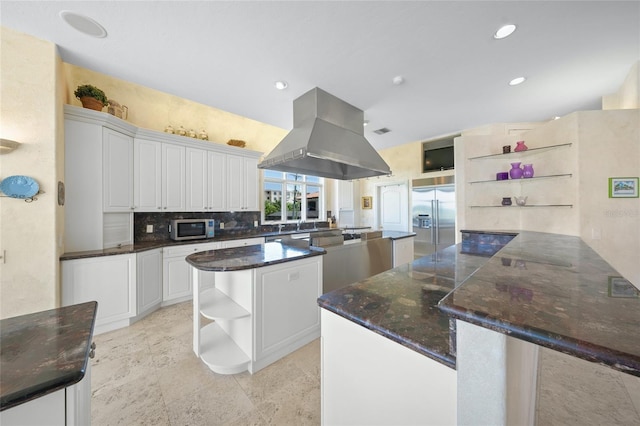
{"type": "Point", "coordinates": [147, 374]}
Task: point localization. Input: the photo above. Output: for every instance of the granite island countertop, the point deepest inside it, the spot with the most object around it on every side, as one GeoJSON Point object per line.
{"type": "Point", "coordinates": [43, 352]}
{"type": "Point", "coordinates": [548, 289]}
{"type": "Point", "coordinates": [248, 257]}
{"type": "Point", "coordinates": [554, 291]}
{"type": "Point", "coordinates": [401, 303]}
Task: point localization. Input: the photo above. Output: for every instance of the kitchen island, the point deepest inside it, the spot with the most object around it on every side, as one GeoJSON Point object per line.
{"type": "Point", "coordinates": [482, 316]}
{"type": "Point", "coordinates": [262, 301]}
{"type": "Point", "coordinates": [44, 366]}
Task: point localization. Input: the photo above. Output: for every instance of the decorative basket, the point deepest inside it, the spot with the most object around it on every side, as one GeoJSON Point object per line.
{"type": "Point", "coordinates": [237, 142]}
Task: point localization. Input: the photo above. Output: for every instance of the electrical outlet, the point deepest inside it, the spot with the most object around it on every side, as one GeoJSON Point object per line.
{"type": "Point", "coordinates": [149, 229]}
{"type": "Point", "coordinates": [595, 234]}
{"type": "Point", "coordinates": [255, 223]}
{"type": "Point", "coordinates": [221, 225]}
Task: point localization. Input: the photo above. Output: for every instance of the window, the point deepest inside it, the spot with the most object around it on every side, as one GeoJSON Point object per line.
{"type": "Point", "coordinates": [292, 197]}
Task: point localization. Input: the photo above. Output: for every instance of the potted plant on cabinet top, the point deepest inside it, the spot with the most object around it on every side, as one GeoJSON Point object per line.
{"type": "Point", "coordinates": [91, 97]}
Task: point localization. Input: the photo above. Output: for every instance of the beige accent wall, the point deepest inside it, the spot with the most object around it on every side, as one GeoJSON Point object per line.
{"type": "Point", "coordinates": [30, 233]}
{"type": "Point", "coordinates": [628, 96]}
{"type": "Point", "coordinates": [154, 110]}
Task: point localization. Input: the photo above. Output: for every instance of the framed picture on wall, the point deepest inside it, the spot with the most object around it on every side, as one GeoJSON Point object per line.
{"type": "Point", "coordinates": [367, 202]}
{"type": "Point", "coordinates": [623, 187]}
{"type": "Point", "coordinates": [619, 287]}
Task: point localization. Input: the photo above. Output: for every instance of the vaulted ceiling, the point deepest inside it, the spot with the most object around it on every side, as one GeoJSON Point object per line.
{"type": "Point", "coordinates": [228, 54]}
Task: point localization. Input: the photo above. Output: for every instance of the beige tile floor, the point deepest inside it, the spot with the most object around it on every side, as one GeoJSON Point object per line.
{"type": "Point", "coordinates": [147, 374]}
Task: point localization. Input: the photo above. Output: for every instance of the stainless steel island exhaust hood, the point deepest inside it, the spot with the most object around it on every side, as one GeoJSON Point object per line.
{"type": "Point", "coordinates": [327, 140]}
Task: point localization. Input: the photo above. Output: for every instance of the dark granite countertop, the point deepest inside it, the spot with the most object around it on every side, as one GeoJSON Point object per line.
{"type": "Point", "coordinates": [554, 291]}
{"type": "Point", "coordinates": [151, 245]}
{"type": "Point", "coordinates": [397, 235]}
{"type": "Point", "coordinates": [43, 352]}
{"type": "Point", "coordinates": [401, 304]}
{"type": "Point", "coordinates": [548, 289]}
{"type": "Point", "coordinates": [248, 257]}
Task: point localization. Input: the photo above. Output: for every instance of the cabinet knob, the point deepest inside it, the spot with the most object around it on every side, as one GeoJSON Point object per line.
{"type": "Point", "coordinates": [132, 207]}
{"type": "Point", "coordinates": [159, 208]}
{"type": "Point", "coordinates": [165, 207]}
{"type": "Point", "coordinates": [92, 354]}
{"type": "Point", "coordinates": [93, 345]}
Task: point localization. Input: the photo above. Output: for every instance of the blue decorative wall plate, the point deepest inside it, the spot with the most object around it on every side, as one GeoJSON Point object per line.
{"type": "Point", "coordinates": [19, 186]}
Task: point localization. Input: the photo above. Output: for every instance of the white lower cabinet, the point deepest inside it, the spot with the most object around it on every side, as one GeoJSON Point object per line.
{"type": "Point", "coordinates": [149, 280]}
{"type": "Point", "coordinates": [176, 272]}
{"type": "Point", "coordinates": [70, 406]}
{"type": "Point", "coordinates": [109, 280]}
{"type": "Point", "coordinates": [243, 242]}
{"type": "Point", "coordinates": [260, 315]}
{"type": "Point", "coordinates": [402, 251]}
{"type": "Point", "coordinates": [360, 367]}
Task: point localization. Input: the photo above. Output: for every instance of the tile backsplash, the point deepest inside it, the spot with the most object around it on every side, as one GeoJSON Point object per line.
{"type": "Point", "coordinates": [235, 223]}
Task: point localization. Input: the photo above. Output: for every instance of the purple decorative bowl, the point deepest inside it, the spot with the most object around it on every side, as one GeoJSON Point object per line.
{"type": "Point", "coordinates": [502, 176]}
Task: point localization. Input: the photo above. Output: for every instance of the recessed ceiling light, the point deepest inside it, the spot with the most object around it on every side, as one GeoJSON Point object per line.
{"type": "Point", "coordinates": [398, 80]}
{"type": "Point", "coordinates": [365, 122]}
{"type": "Point", "coordinates": [517, 81]}
{"type": "Point", "coordinates": [281, 85]}
{"type": "Point", "coordinates": [84, 24]}
{"type": "Point", "coordinates": [504, 31]}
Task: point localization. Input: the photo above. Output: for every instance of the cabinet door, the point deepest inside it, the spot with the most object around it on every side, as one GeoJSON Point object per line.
{"type": "Point", "coordinates": [110, 280]}
{"type": "Point", "coordinates": [173, 177]}
{"type": "Point", "coordinates": [176, 279]}
{"type": "Point", "coordinates": [78, 400]}
{"type": "Point", "coordinates": [149, 270]}
{"type": "Point", "coordinates": [402, 251]}
{"type": "Point", "coordinates": [235, 183]}
{"type": "Point", "coordinates": [196, 187]}
{"type": "Point", "coordinates": [345, 195]}
{"type": "Point", "coordinates": [117, 167]}
{"type": "Point", "coordinates": [242, 183]}
{"type": "Point", "coordinates": [288, 306]}
{"type": "Point", "coordinates": [217, 181]}
{"type": "Point", "coordinates": [251, 184]}
{"type": "Point", "coordinates": [147, 175]}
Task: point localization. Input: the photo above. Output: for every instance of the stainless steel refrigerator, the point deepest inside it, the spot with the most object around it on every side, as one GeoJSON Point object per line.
{"type": "Point", "coordinates": [434, 218]}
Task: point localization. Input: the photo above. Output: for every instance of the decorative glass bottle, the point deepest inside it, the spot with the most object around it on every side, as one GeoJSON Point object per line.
{"type": "Point", "coordinates": [527, 171]}
{"type": "Point", "coordinates": [520, 146]}
{"type": "Point", "coordinates": [516, 171]}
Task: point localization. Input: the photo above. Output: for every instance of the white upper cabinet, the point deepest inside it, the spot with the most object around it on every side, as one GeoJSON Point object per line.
{"type": "Point", "coordinates": [147, 175]}
{"type": "Point", "coordinates": [197, 184]}
{"type": "Point", "coordinates": [242, 186]}
{"type": "Point", "coordinates": [117, 160]}
{"type": "Point", "coordinates": [217, 181]}
{"type": "Point", "coordinates": [206, 180]}
{"type": "Point", "coordinates": [346, 195]}
{"type": "Point", "coordinates": [173, 177]}
{"type": "Point", "coordinates": [159, 176]}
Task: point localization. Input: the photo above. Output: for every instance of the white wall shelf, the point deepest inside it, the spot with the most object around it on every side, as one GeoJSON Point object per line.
{"type": "Point", "coordinates": [527, 206]}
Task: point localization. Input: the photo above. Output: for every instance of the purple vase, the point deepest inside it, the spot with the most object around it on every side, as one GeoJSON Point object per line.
{"type": "Point", "coordinates": [516, 171]}
{"type": "Point", "coordinates": [520, 146]}
{"type": "Point", "coordinates": [527, 171]}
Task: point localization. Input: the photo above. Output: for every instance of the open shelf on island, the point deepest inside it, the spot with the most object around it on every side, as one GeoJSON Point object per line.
{"type": "Point", "coordinates": [521, 153]}
{"type": "Point", "coordinates": [215, 305]}
{"type": "Point", "coordinates": [220, 352]}
{"type": "Point", "coordinates": [523, 179]}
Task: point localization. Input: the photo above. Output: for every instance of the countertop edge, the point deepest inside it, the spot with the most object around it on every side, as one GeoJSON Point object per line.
{"type": "Point", "coordinates": [435, 356]}
{"type": "Point", "coordinates": [565, 344]}
{"type": "Point", "coordinates": [313, 251]}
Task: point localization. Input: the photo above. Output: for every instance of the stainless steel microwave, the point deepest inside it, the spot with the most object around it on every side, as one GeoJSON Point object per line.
{"type": "Point", "coordinates": [191, 229]}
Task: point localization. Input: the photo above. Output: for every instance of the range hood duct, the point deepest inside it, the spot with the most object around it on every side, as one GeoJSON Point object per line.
{"type": "Point", "coordinates": [327, 140]}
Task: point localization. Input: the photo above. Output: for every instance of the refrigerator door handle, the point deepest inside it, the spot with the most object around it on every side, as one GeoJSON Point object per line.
{"type": "Point", "coordinates": [434, 223]}
{"type": "Point", "coordinates": [436, 211]}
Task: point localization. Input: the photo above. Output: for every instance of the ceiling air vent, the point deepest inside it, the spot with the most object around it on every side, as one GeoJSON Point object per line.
{"type": "Point", "coordinates": [381, 131]}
